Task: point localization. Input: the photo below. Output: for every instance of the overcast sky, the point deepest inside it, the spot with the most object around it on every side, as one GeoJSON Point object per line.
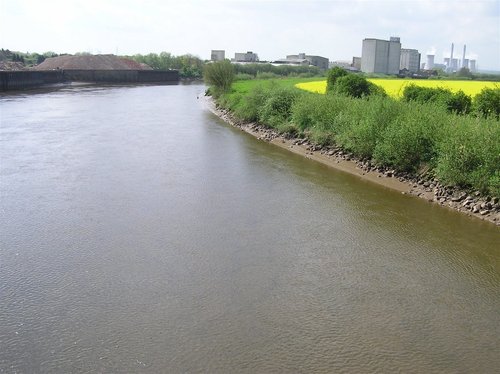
{"type": "Point", "coordinates": [271, 28]}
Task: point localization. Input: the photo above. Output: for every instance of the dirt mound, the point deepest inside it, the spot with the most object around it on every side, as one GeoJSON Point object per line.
{"type": "Point", "coordinates": [12, 65]}
{"type": "Point", "coordinates": [91, 62]}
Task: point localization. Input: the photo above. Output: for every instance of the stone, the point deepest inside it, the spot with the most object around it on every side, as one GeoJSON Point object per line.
{"type": "Point", "coordinates": [475, 209]}
{"type": "Point", "coordinates": [484, 212]}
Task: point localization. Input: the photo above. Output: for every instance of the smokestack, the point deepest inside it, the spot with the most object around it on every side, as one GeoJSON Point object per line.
{"type": "Point", "coordinates": [451, 55]}
{"type": "Point", "coordinates": [463, 58]}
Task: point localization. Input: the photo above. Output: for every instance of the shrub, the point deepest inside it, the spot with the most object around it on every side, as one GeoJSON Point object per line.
{"type": "Point", "coordinates": [487, 102]}
{"type": "Point", "coordinates": [458, 103]}
{"type": "Point", "coordinates": [409, 141]}
{"type": "Point", "coordinates": [332, 76]}
{"type": "Point", "coordinates": [370, 121]}
{"type": "Point", "coordinates": [277, 108]}
{"type": "Point", "coordinates": [250, 107]}
{"type": "Point", "coordinates": [469, 155]}
{"type": "Point", "coordinates": [219, 75]}
{"type": "Point", "coordinates": [352, 85]}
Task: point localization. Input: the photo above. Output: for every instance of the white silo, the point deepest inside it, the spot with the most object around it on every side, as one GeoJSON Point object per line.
{"type": "Point", "coordinates": [430, 62]}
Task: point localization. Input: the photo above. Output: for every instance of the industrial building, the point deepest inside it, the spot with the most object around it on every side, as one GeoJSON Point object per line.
{"type": "Point", "coordinates": [409, 60]}
{"type": "Point", "coordinates": [381, 56]}
{"type": "Point", "coordinates": [320, 62]}
{"type": "Point", "coordinates": [218, 55]}
{"type": "Point", "coordinates": [246, 57]}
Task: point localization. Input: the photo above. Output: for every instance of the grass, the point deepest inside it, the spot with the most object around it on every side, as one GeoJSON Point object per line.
{"type": "Point", "coordinates": [395, 87]}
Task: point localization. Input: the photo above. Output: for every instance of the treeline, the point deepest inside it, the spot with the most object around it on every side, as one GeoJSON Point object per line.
{"type": "Point", "coordinates": [189, 66]}
{"type": "Point", "coordinates": [28, 59]}
{"type": "Point", "coordinates": [407, 136]}
{"type": "Point", "coordinates": [267, 71]}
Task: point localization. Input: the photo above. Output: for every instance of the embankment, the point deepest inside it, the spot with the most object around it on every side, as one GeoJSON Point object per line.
{"type": "Point", "coordinates": [471, 204]}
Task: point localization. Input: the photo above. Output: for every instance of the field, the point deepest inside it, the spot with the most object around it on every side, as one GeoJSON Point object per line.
{"type": "Point", "coordinates": [395, 87]}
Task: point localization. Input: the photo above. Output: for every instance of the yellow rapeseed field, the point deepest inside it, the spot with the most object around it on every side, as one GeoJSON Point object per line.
{"type": "Point", "coordinates": [395, 87]}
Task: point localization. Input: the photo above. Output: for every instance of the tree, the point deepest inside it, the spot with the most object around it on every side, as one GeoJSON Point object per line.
{"type": "Point", "coordinates": [333, 75]}
{"type": "Point", "coordinates": [219, 75]}
{"type": "Point", "coordinates": [352, 85]}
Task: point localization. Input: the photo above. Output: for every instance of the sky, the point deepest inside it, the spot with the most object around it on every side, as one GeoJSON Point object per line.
{"type": "Point", "coordinates": [271, 28]}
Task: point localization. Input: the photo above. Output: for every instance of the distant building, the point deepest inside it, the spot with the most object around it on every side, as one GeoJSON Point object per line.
{"type": "Point", "coordinates": [356, 63]}
{"type": "Point", "coordinates": [451, 64]}
{"type": "Point", "coordinates": [409, 60]}
{"type": "Point", "coordinates": [218, 55]}
{"type": "Point", "coordinates": [472, 65]}
{"type": "Point", "coordinates": [430, 62]}
{"type": "Point", "coordinates": [381, 56]}
{"type": "Point", "coordinates": [320, 62]}
{"type": "Point", "coordinates": [246, 57]}
{"type": "Point", "coordinates": [341, 64]}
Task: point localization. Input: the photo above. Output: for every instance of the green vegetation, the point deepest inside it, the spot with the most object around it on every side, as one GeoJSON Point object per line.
{"type": "Point", "coordinates": [457, 102]}
{"type": "Point", "coordinates": [219, 76]}
{"type": "Point", "coordinates": [408, 136]}
{"type": "Point", "coordinates": [268, 71]}
{"type": "Point", "coordinates": [488, 102]}
{"type": "Point", "coordinates": [332, 76]}
{"type": "Point", "coordinates": [27, 59]}
{"type": "Point", "coordinates": [189, 66]}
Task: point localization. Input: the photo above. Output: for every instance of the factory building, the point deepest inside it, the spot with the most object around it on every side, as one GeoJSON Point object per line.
{"type": "Point", "coordinates": [320, 62]}
{"type": "Point", "coordinates": [217, 55]}
{"type": "Point", "coordinates": [409, 60]}
{"type": "Point", "coordinates": [246, 57]}
{"type": "Point", "coordinates": [381, 56]}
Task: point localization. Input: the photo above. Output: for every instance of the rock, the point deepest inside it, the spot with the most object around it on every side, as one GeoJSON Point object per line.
{"type": "Point", "coordinates": [458, 198]}
{"type": "Point", "coordinates": [475, 209]}
{"type": "Point", "coordinates": [484, 212]}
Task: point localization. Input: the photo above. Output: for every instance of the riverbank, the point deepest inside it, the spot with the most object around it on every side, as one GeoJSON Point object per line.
{"type": "Point", "coordinates": [472, 204]}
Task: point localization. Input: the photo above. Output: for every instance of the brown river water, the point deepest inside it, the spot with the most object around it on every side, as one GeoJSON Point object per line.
{"type": "Point", "coordinates": [141, 234]}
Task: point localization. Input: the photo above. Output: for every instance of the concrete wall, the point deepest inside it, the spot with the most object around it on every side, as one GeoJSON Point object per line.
{"type": "Point", "coordinates": [16, 80]}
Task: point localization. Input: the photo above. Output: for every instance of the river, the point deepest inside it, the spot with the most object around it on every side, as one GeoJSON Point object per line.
{"type": "Point", "coordinates": [140, 233]}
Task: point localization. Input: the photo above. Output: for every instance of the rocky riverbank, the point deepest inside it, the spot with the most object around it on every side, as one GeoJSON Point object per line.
{"type": "Point", "coordinates": [471, 203]}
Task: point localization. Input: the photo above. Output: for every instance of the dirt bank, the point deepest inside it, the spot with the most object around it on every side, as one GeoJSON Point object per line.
{"type": "Point", "coordinates": [470, 203]}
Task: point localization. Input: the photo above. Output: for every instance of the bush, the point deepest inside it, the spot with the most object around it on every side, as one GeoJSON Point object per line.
{"type": "Point", "coordinates": [409, 141]}
{"type": "Point", "coordinates": [250, 107]}
{"type": "Point", "coordinates": [369, 124]}
{"type": "Point", "coordinates": [487, 102]}
{"type": "Point", "coordinates": [458, 103]}
{"type": "Point", "coordinates": [219, 75]}
{"type": "Point", "coordinates": [332, 76]}
{"type": "Point", "coordinates": [469, 155]}
{"type": "Point", "coordinates": [352, 85]}
{"type": "Point", "coordinates": [277, 108]}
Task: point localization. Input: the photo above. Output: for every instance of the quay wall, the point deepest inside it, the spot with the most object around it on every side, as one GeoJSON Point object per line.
{"type": "Point", "coordinates": [17, 80]}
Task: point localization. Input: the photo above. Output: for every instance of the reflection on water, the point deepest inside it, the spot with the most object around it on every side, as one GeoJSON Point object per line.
{"type": "Point", "coordinates": [139, 233]}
